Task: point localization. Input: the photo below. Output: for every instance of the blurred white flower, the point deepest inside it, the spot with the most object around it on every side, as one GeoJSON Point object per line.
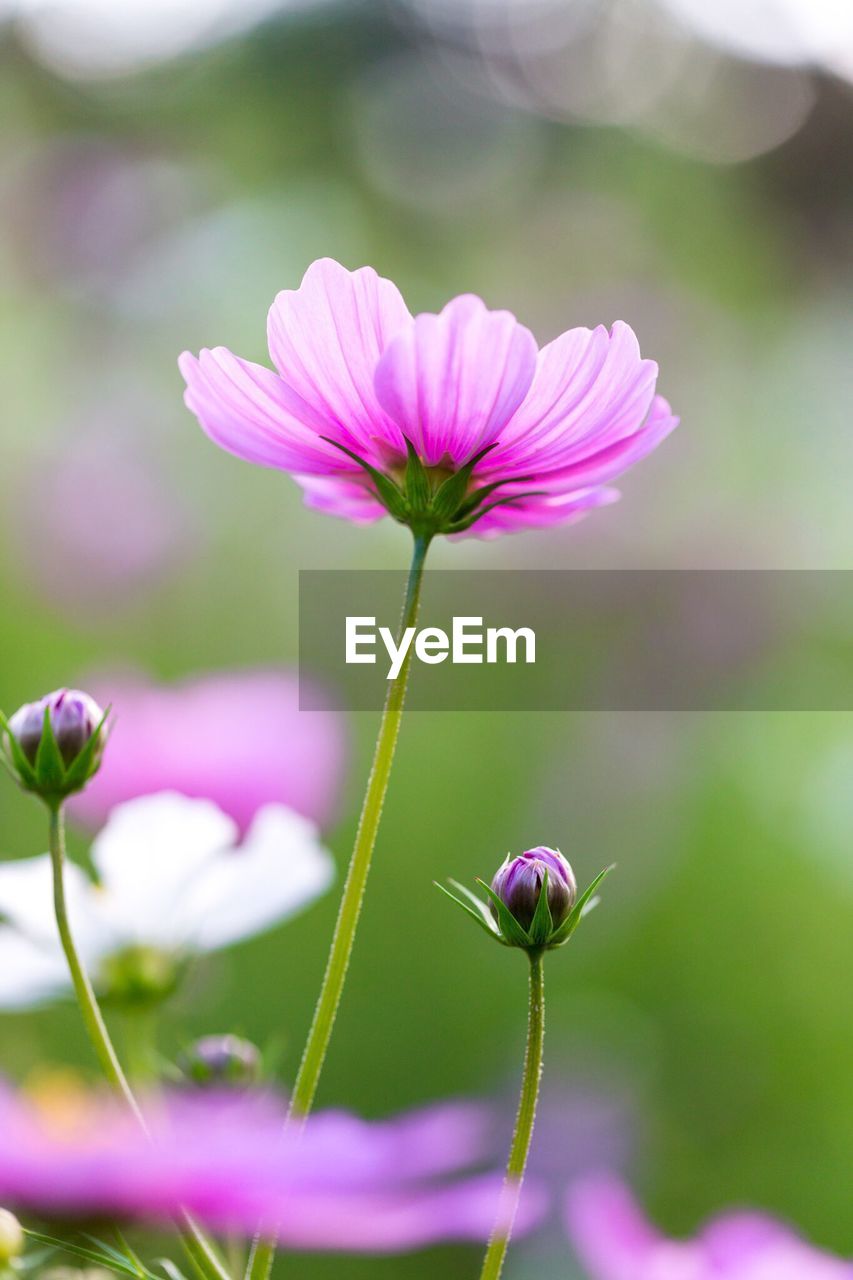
{"type": "Point", "coordinates": [172, 882]}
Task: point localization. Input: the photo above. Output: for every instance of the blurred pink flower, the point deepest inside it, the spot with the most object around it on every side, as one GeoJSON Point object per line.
{"type": "Point", "coordinates": [237, 738]}
{"type": "Point", "coordinates": [615, 1241]}
{"type": "Point", "coordinates": [343, 1183]}
{"type": "Point", "coordinates": [97, 520]}
{"type": "Point", "coordinates": [355, 369]}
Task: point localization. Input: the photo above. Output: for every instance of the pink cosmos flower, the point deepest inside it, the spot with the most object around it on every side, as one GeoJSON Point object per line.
{"type": "Point", "coordinates": [615, 1241]}
{"type": "Point", "coordinates": [237, 738]}
{"type": "Point", "coordinates": [343, 1184]}
{"type": "Point", "coordinates": [366, 397]}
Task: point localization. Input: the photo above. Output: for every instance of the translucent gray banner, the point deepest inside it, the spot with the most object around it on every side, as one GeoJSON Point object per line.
{"type": "Point", "coordinates": [521, 640]}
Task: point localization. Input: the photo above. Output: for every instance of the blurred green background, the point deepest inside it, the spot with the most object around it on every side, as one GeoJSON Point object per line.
{"type": "Point", "coordinates": [163, 172]}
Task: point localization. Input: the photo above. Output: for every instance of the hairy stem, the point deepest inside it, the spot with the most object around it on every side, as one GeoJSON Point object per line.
{"type": "Point", "coordinates": [326, 1008]}
{"type": "Point", "coordinates": [525, 1118]}
{"type": "Point", "coordinates": [196, 1244]}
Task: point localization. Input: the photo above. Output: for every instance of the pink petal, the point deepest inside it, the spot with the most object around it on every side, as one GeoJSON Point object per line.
{"type": "Point", "coordinates": [611, 461]}
{"type": "Point", "coordinates": [326, 338]}
{"type": "Point", "coordinates": [235, 737]}
{"type": "Point", "coordinates": [249, 411]}
{"type": "Point", "coordinates": [540, 512]}
{"type": "Point", "coordinates": [452, 381]}
{"type": "Point", "coordinates": [591, 389]}
{"type": "Point", "coordinates": [610, 1234]}
{"type": "Point", "coordinates": [341, 496]}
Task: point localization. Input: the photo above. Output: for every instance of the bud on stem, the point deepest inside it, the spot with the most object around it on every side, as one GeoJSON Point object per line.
{"type": "Point", "coordinates": [52, 747]}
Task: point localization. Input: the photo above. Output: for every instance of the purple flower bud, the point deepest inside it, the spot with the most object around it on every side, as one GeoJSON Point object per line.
{"type": "Point", "coordinates": [222, 1060]}
{"type": "Point", "coordinates": [518, 883]}
{"type": "Point", "coordinates": [74, 717]}
{"type": "Point", "coordinates": [11, 1237]}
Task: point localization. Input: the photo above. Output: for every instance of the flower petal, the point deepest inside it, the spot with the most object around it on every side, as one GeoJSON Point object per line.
{"type": "Point", "coordinates": [147, 856]}
{"type": "Point", "coordinates": [341, 496]}
{"type": "Point", "coordinates": [540, 511]}
{"type": "Point", "coordinates": [30, 974]}
{"type": "Point", "coordinates": [591, 389]}
{"type": "Point", "coordinates": [237, 738]}
{"type": "Point", "coordinates": [248, 410]}
{"type": "Point", "coordinates": [326, 338]}
{"type": "Point", "coordinates": [612, 1238]}
{"type": "Point", "coordinates": [26, 896]}
{"type": "Point", "coordinates": [612, 460]}
{"type": "Point", "coordinates": [280, 868]}
{"type": "Point", "coordinates": [454, 380]}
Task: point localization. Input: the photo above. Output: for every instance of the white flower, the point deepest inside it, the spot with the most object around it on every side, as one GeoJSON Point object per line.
{"type": "Point", "coordinates": [171, 878]}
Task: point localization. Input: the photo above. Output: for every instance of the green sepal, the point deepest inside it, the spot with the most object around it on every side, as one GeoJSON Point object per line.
{"type": "Point", "coordinates": [459, 526]}
{"type": "Point", "coordinates": [451, 493]}
{"type": "Point", "coordinates": [582, 907]}
{"type": "Point", "coordinates": [417, 481]}
{"type": "Point", "coordinates": [389, 494]}
{"type": "Point", "coordinates": [19, 766]}
{"type": "Point", "coordinates": [477, 916]}
{"type": "Point", "coordinates": [511, 930]}
{"type": "Point", "coordinates": [87, 762]}
{"type": "Point", "coordinates": [49, 766]}
{"type": "Point", "coordinates": [542, 924]}
{"type": "Point", "coordinates": [478, 497]}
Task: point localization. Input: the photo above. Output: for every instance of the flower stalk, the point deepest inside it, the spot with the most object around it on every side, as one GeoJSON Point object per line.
{"type": "Point", "coordinates": [525, 1118]}
{"type": "Point", "coordinates": [198, 1248]}
{"type": "Point", "coordinates": [352, 898]}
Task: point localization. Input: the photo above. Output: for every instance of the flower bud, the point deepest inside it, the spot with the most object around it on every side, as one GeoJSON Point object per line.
{"type": "Point", "coordinates": [11, 1237]}
{"type": "Point", "coordinates": [54, 746]}
{"type": "Point", "coordinates": [518, 884]}
{"type": "Point", "coordinates": [139, 976]}
{"type": "Point", "coordinates": [222, 1060]}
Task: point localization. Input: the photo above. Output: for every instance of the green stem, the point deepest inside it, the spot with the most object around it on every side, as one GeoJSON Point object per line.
{"type": "Point", "coordinates": [196, 1244]}
{"type": "Point", "coordinates": [139, 1045]}
{"type": "Point", "coordinates": [520, 1149]}
{"type": "Point", "coordinates": [313, 1056]}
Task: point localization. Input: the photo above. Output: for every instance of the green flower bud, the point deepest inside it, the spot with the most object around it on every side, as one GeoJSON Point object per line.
{"type": "Point", "coordinates": [139, 976]}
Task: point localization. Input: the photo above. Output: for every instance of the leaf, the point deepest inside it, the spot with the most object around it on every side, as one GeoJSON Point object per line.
{"type": "Point", "coordinates": [469, 911]}
{"type": "Point", "coordinates": [542, 924]}
{"type": "Point", "coordinates": [78, 1251]}
{"type": "Point", "coordinates": [583, 905]}
{"type": "Point", "coordinates": [124, 1256]}
{"type": "Point", "coordinates": [509, 926]}
{"type": "Point", "coordinates": [172, 1271]}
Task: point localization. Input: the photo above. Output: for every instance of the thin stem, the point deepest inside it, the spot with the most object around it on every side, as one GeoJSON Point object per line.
{"type": "Point", "coordinates": [521, 1139]}
{"type": "Point", "coordinates": [86, 999]}
{"type": "Point", "coordinates": [139, 1045]}
{"type": "Point", "coordinates": [195, 1242]}
{"type": "Point", "coordinates": [325, 1011]}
